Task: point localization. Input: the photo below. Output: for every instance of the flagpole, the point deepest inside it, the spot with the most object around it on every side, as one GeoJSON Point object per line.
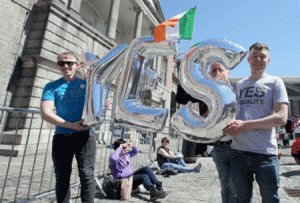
{"type": "Point", "coordinates": [178, 47]}
{"type": "Point", "coordinates": [192, 40]}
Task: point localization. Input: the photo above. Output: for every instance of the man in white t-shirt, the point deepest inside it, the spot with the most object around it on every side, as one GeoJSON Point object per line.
{"type": "Point", "coordinates": [262, 106]}
{"type": "Point", "coordinates": [222, 149]}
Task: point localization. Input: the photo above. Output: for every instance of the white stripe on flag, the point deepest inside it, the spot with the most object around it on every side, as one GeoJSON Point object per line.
{"type": "Point", "coordinates": [179, 15]}
{"type": "Point", "coordinates": [172, 33]}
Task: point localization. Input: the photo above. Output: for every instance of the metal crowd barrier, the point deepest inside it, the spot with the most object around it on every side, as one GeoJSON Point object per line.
{"type": "Point", "coordinates": [25, 151]}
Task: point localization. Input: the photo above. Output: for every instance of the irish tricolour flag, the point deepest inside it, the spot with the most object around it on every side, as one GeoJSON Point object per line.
{"type": "Point", "coordinates": [178, 27]}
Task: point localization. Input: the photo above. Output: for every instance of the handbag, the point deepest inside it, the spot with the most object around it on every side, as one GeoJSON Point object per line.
{"type": "Point", "coordinates": [112, 187]}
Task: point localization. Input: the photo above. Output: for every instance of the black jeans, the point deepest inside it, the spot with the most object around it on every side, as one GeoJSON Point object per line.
{"type": "Point", "coordinates": [64, 147]}
{"type": "Point", "coordinates": [144, 176]}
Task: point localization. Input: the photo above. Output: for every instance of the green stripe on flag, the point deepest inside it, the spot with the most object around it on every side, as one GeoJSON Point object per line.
{"type": "Point", "coordinates": [196, 44]}
{"type": "Point", "coordinates": [186, 25]}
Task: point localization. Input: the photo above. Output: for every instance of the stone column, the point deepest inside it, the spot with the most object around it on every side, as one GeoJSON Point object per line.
{"type": "Point", "coordinates": [152, 29]}
{"type": "Point", "coordinates": [113, 19]}
{"type": "Point", "coordinates": [138, 22]}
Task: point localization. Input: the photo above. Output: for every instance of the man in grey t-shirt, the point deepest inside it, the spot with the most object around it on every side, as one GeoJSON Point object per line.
{"type": "Point", "coordinates": [262, 106]}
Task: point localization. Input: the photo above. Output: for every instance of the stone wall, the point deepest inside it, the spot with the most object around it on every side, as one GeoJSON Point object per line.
{"type": "Point", "coordinates": [13, 17]}
{"type": "Point", "coordinates": [50, 28]}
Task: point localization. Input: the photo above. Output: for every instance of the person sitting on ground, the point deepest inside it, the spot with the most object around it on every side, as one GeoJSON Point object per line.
{"type": "Point", "coordinates": [120, 166]}
{"type": "Point", "coordinates": [296, 150]}
{"type": "Point", "coordinates": [166, 158]}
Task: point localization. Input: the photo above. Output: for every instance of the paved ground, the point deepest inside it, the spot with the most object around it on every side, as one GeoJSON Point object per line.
{"type": "Point", "coordinates": [205, 187]}
{"type": "Point", "coordinates": [196, 187]}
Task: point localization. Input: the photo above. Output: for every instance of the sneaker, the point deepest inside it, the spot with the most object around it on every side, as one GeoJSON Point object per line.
{"type": "Point", "coordinates": [198, 167]}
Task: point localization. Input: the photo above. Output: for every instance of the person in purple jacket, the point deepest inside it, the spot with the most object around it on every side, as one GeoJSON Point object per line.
{"type": "Point", "coordinates": [120, 166]}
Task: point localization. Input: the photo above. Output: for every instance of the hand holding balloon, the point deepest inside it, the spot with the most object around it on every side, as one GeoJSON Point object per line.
{"type": "Point", "coordinates": [235, 127]}
{"type": "Point", "coordinates": [79, 126]}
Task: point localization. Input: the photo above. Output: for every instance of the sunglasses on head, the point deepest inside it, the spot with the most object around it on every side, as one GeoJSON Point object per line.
{"type": "Point", "coordinates": [69, 63]}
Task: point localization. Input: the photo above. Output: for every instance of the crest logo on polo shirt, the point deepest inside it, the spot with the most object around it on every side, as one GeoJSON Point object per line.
{"type": "Point", "coordinates": [82, 86]}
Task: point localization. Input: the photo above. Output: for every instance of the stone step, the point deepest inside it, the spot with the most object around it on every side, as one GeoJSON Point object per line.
{"type": "Point", "coordinates": [20, 137]}
{"type": "Point", "coordinates": [9, 150]}
{"type": "Point", "coordinates": [19, 150]}
{"type": "Point", "coordinates": [11, 138]}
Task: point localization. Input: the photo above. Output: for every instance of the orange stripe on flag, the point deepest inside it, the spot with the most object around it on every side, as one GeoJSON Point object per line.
{"type": "Point", "coordinates": [160, 33]}
{"type": "Point", "coordinates": [171, 22]}
{"type": "Point", "coordinates": [160, 30]}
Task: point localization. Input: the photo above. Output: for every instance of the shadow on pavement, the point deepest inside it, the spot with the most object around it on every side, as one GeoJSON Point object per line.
{"type": "Point", "coordinates": [291, 173]}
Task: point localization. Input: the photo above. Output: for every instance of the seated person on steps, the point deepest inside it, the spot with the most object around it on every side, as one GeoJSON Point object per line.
{"type": "Point", "coordinates": [166, 158]}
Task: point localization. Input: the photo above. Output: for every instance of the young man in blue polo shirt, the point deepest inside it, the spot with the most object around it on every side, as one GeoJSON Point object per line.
{"type": "Point", "coordinates": [67, 95]}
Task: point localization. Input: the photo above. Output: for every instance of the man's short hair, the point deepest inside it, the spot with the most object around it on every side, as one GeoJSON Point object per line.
{"type": "Point", "coordinates": [68, 53]}
{"type": "Point", "coordinates": [259, 46]}
{"type": "Point", "coordinates": [118, 142]}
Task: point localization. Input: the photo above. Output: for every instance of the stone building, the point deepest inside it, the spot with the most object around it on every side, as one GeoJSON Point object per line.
{"type": "Point", "coordinates": [33, 32]}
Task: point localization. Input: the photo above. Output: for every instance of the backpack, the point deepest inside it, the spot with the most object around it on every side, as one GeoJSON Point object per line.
{"type": "Point", "coordinates": [112, 187]}
{"type": "Point", "coordinates": [167, 171]}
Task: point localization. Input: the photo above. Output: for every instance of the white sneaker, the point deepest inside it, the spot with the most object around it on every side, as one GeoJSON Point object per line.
{"type": "Point", "coordinates": [136, 190]}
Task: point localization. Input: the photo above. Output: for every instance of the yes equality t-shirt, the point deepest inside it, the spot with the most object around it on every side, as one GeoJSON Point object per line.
{"type": "Point", "coordinates": [256, 99]}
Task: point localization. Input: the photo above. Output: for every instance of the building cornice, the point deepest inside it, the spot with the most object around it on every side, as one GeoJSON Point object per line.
{"type": "Point", "coordinates": [148, 11]}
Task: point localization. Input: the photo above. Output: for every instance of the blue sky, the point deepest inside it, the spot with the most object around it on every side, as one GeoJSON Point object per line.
{"type": "Point", "coordinates": [275, 23]}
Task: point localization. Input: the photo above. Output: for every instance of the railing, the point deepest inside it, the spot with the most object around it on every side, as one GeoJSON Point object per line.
{"type": "Point", "coordinates": [26, 163]}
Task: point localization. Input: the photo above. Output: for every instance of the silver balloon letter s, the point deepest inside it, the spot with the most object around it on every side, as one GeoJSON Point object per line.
{"type": "Point", "coordinates": [218, 95]}
{"type": "Point", "coordinates": [137, 77]}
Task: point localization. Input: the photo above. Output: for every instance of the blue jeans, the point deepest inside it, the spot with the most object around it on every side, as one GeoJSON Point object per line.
{"type": "Point", "coordinates": [266, 169]}
{"type": "Point", "coordinates": [221, 157]}
{"type": "Point", "coordinates": [178, 164]}
{"type": "Point", "coordinates": [144, 176]}
{"type": "Point", "coordinates": [178, 160]}
{"type": "Point", "coordinates": [82, 145]}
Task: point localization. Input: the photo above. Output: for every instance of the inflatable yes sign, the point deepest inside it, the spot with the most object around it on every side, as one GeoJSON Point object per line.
{"type": "Point", "coordinates": [133, 65]}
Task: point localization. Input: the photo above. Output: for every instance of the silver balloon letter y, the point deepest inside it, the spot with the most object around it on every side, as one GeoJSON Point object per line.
{"type": "Point", "coordinates": [100, 75]}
